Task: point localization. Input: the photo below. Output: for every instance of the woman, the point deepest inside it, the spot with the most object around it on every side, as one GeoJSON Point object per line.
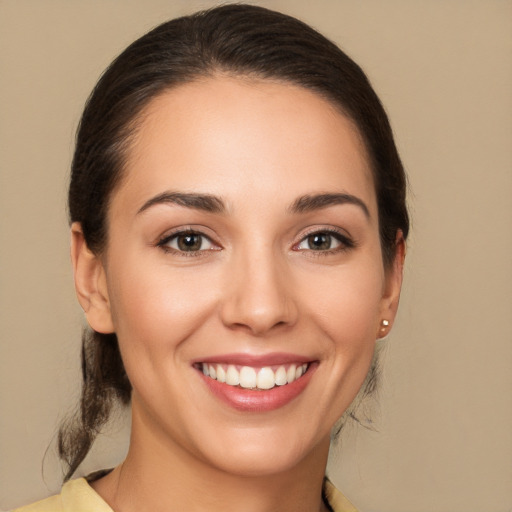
{"type": "Point", "coordinates": [238, 226]}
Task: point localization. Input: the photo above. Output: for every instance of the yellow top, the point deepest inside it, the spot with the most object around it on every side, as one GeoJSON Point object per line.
{"type": "Point", "coordinates": [336, 500]}
{"type": "Point", "coordinates": [78, 496]}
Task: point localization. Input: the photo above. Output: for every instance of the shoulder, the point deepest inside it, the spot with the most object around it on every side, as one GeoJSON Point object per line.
{"type": "Point", "coordinates": [76, 496]}
{"type": "Point", "coordinates": [336, 499]}
{"type": "Point", "coordinates": [52, 504]}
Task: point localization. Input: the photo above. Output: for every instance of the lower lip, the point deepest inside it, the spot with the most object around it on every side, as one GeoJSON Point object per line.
{"type": "Point", "coordinates": [250, 400]}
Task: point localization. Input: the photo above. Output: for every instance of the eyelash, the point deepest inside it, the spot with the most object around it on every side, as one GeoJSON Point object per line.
{"type": "Point", "coordinates": [346, 243]}
{"type": "Point", "coordinates": [163, 243]}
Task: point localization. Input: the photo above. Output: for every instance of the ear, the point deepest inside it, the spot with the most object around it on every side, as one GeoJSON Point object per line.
{"type": "Point", "coordinates": [90, 282]}
{"type": "Point", "coordinates": [392, 287]}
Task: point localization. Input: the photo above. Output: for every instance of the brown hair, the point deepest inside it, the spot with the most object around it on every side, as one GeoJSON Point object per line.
{"type": "Point", "coordinates": [240, 40]}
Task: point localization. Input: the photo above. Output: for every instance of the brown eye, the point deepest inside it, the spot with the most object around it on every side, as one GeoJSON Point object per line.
{"type": "Point", "coordinates": [319, 241]}
{"type": "Point", "coordinates": [188, 241]}
{"type": "Point", "coordinates": [325, 241]}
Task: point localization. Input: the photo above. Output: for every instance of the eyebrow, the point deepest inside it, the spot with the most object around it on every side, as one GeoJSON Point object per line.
{"type": "Point", "coordinates": [308, 203]}
{"type": "Point", "coordinates": [213, 204]}
{"type": "Point", "coordinates": [204, 202]}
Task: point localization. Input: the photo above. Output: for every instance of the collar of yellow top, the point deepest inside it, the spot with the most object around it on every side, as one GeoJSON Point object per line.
{"type": "Point", "coordinates": [336, 500]}
{"type": "Point", "coordinates": [78, 496]}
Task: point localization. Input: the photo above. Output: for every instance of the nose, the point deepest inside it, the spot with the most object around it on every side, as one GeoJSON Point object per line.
{"type": "Point", "coordinates": [258, 296]}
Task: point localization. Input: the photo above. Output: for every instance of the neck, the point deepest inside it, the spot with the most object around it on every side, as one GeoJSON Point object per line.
{"type": "Point", "coordinates": [160, 476]}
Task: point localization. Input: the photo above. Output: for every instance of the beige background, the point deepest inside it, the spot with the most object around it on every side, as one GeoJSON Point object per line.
{"type": "Point", "coordinates": [444, 71]}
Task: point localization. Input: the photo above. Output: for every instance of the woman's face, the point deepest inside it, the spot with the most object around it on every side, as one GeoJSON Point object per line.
{"type": "Point", "coordinates": [244, 241]}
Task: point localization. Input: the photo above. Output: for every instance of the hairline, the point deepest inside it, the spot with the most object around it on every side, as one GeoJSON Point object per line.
{"type": "Point", "coordinates": [130, 131]}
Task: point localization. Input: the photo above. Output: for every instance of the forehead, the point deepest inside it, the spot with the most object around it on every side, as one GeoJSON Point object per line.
{"type": "Point", "coordinates": [222, 135]}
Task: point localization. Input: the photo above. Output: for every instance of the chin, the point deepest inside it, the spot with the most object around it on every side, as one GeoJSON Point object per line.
{"type": "Point", "coordinates": [266, 454]}
{"type": "Point", "coordinates": [260, 465]}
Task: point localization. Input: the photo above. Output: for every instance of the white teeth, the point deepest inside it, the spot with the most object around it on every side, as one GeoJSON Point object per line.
{"type": "Point", "coordinates": [281, 376]}
{"type": "Point", "coordinates": [266, 379]}
{"type": "Point", "coordinates": [221, 374]}
{"type": "Point", "coordinates": [232, 376]}
{"type": "Point", "coordinates": [252, 378]}
{"type": "Point", "coordinates": [247, 377]}
{"type": "Point", "coordinates": [290, 374]}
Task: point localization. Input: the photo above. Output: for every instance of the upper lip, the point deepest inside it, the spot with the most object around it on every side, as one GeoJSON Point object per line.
{"type": "Point", "coordinates": [241, 359]}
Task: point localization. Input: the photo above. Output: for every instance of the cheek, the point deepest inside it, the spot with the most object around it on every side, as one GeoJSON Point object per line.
{"type": "Point", "coordinates": [346, 304]}
{"type": "Point", "coordinates": [342, 304]}
{"type": "Point", "coordinates": [154, 310]}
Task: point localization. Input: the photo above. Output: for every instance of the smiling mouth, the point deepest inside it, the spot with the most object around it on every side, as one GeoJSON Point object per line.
{"type": "Point", "coordinates": [255, 378]}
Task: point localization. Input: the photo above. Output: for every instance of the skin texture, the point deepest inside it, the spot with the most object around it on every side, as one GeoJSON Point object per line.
{"type": "Point", "coordinates": [256, 287]}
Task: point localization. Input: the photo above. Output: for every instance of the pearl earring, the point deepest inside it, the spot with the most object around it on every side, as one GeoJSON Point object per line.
{"type": "Point", "coordinates": [384, 324]}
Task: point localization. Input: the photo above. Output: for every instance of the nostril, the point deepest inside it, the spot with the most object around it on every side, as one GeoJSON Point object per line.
{"type": "Point", "coordinates": [258, 328]}
{"type": "Point", "coordinates": [260, 300]}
